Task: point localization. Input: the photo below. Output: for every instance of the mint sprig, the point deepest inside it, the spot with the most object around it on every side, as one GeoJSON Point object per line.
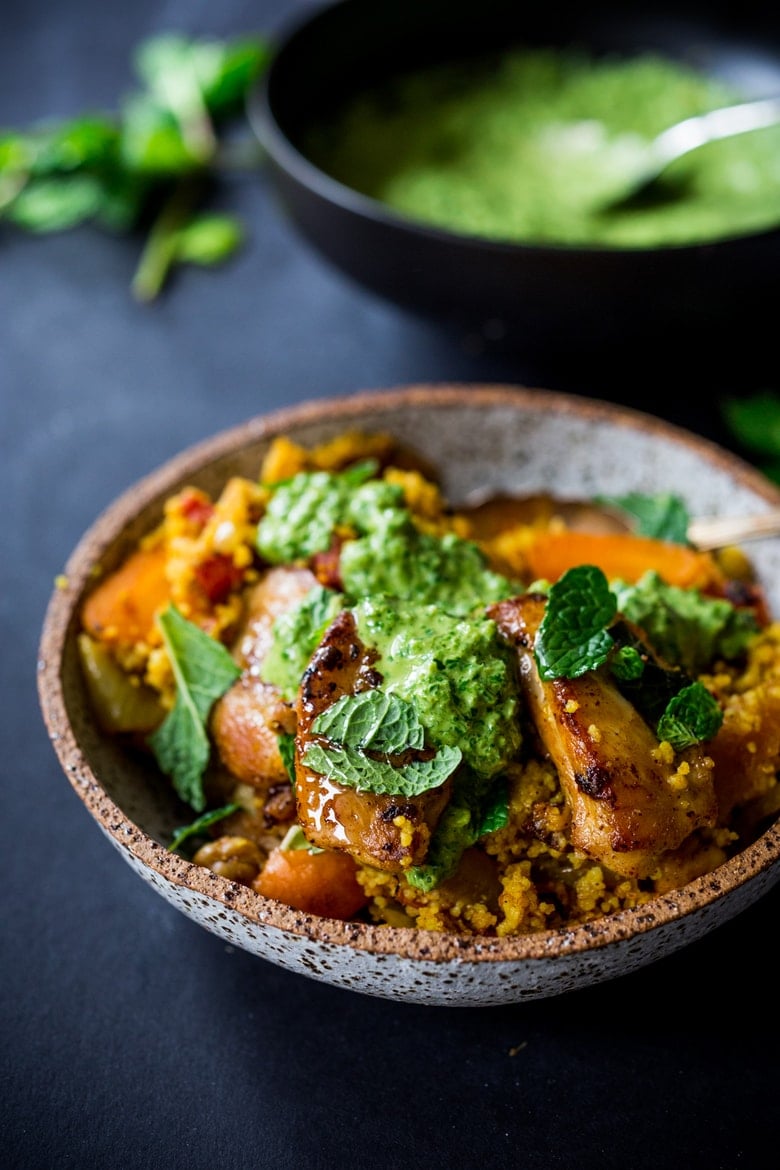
{"type": "Point", "coordinates": [149, 165]}
{"type": "Point", "coordinates": [386, 726]}
{"type": "Point", "coordinates": [372, 721]}
{"type": "Point", "coordinates": [203, 670]}
{"type": "Point", "coordinates": [691, 717]}
{"type": "Point", "coordinates": [197, 828]}
{"type": "Point", "coordinates": [572, 638]}
{"type": "Point", "coordinates": [472, 813]}
{"type": "Point", "coordinates": [353, 769]}
{"type": "Point", "coordinates": [663, 516]}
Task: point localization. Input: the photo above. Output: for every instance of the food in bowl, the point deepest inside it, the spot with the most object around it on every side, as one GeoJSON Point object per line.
{"type": "Point", "coordinates": [384, 708]}
{"type": "Point", "coordinates": [536, 145]}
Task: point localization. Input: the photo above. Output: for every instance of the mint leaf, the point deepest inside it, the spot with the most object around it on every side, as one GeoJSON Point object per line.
{"type": "Point", "coordinates": [755, 422]}
{"type": "Point", "coordinates": [651, 690]}
{"type": "Point", "coordinates": [198, 827]}
{"type": "Point", "coordinates": [572, 638]}
{"type": "Point", "coordinates": [287, 752]}
{"type": "Point", "coordinates": [56, 203]}
{"type": "Point", "coordinates": [203, 670]}
{"type": "Point", "coordinates": [171, 66]}
{"type": "Point", "coordinates": [495, 810]}
{"type": "Point", "coordinates": [662, 517]}
{"type": "Point", "coordinates": [471, 813]}
{"type": "Point", "coordinates": [239, 64]}
{"type": "Point", "coordinates": [152, 142]}
{"type": "Point", "coordinates": [209, 239]}
{"type": "Point", "coordinates": [351, 768]}
{"type": "Point", "coordinates": [372, 720]}
{"type": "Point", "coordinates": [627, 664]}
{"type": "Point", "coordinates": [693, 715]}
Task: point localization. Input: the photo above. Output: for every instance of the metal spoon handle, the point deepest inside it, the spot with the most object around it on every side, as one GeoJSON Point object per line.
{"type": "Point", "coordinates": [722, 530]}
{"type": "Point", "coordinates": [723, 123]}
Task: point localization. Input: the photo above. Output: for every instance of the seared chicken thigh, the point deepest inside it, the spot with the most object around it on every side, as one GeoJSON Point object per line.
{"type": "Point", "coordinates": [630, 800]}
{"type": "Point", "coordinates": [388, 832]}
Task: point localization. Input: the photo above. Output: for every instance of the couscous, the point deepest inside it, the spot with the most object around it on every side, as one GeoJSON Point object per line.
{"type": "Point", "coordinates": [375, 706]}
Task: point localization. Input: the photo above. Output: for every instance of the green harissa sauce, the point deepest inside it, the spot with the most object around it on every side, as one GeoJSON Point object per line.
{"type": "Point", "coordinates": [533, 146]}
{"type": "Point", "coordinates": [457, 672]}
{"type": "Point", "coordinates": [418, 599]}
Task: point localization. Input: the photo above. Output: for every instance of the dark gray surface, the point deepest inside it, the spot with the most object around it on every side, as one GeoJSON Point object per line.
{"type": "Point", "coordinates": [129, 1036]}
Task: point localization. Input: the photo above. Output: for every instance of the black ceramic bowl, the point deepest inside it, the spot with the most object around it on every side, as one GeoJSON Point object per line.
{"type": "Point", "coordinates": [551, 296]}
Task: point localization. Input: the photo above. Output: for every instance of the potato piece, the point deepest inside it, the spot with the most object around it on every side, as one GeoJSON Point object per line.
{"type": "Point", "coordinates": [122, 704]}
{"type": "Point", "coordinates": [246, 721]}
{"type": "Point", "coordinates": [246, 724]}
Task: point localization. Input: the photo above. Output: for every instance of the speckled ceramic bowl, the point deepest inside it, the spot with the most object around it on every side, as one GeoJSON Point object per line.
{"type": "Point", "coordinates": [503, 436]}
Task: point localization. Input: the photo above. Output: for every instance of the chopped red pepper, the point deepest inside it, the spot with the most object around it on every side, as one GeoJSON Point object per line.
{"type": "Point", "coordinates": [196, 507]}
{"type": "Point", "coordinates": [326, 566]}
{"type": "Point", "coordinates": [218, 577]}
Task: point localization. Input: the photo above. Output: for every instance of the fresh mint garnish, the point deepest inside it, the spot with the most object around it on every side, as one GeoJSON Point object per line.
{"type": "Point", "coordinates": [149, 166]}
{"type": "Point", "coordinates": [385, 725]}
{"type": "Point", "coordinates": [372, 721]}
{"type": "Point", "coordinates": [471, 814]}
{"type": "Point", "coordinates": [692, 716]}
{"type": "Point", "coordinates": [203, 670]}
{"type": "Point", "coordinates": [627, 664]}
{"type": "Point", "coordinates": [198, 827]}
{"type": "Point", "coordinates": [572, 638]}
{"type": "Point", "coordinates": [661, 517]}
{"type": "Point", "coordinates": [287, 752]}
{"type": "Point", "coordinates": [353, 769]}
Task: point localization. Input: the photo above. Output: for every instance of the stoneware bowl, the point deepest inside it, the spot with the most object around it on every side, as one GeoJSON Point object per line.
{"type": "Point", "coordinates": [538, 297]}
{"type": "Point", "coordinates": [506, 437]}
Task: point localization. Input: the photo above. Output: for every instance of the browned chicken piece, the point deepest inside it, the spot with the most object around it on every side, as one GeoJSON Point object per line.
{"type": "Point", "coordinates": [248, 719]}
{"type": "Point", "coordinates": [388, 832]}
{"type": "Point", "coordinates": [629, 804]}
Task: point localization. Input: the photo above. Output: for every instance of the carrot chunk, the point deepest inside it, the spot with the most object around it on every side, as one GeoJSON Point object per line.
{"type": "Point", "coordinates": [622, 556]}
{"type": "Point", "coordinates": [121, 609]}
{"type": "Point", "coordinates": [316, 883]}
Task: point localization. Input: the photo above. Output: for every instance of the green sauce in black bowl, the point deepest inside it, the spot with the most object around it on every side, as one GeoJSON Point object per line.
{"type": "Point", "coordinates": [394, 200]}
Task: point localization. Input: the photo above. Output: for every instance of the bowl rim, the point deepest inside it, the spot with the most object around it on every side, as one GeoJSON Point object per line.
{"type": "Point", "coordinates": [409, 942]}
{"type": "Point", "coordinates": [289, 159]}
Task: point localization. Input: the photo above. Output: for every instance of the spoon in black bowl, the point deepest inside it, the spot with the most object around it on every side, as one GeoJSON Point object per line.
{"type": "Point", "coordinates": [683, 137]}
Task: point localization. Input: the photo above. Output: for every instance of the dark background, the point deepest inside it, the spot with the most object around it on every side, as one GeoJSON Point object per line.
{"type": "Point", "coordinates": [130, 1036]}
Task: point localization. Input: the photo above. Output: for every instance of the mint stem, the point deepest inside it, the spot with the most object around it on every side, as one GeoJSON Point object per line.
{"type": "Point", "coordinates": [159, 253]}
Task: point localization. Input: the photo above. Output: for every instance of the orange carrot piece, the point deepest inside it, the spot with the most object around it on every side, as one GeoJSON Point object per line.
{"type": "Point", "coordinates": [121, 608]}
{"type": "Point", "coordinates": [316, 883]}
{"type": "Point", "coordinates": [624, 556]}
